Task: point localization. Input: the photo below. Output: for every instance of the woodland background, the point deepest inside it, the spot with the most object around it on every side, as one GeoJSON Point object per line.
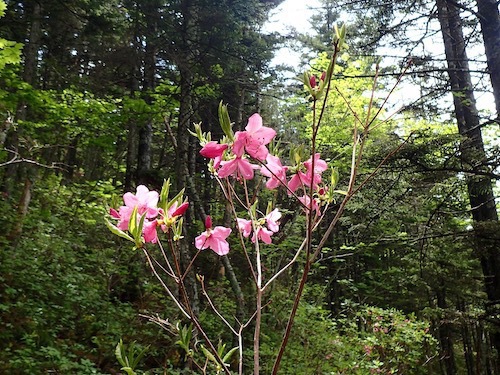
{"type": "Point", "coordinates": [98, 97]}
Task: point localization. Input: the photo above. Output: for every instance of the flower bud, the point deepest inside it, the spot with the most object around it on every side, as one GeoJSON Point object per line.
{"type": "Point", "coordinates": [312, 81]}
{"type": "Point", "coordinates": [181, 209]}
{"type": "Point", "coordinates": [208, 222]}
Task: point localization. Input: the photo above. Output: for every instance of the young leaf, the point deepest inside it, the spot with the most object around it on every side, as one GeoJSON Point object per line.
{"type": "Point", "coordinates": [208, 355]}
{"type": "Point", "coordinates": [225, 121]}
{"type": "Point", "coordinates": [165, 189]}
{"type": "Point", "coordinates": [117, 231]}
{"type": "Point", "coordinates": [177, 198]}
{"type": "Point", "coordinates": [229, 354]}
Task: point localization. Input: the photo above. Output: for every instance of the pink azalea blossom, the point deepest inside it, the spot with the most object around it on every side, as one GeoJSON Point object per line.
{"type": "Point", "coordinates": [175, 211]}
{"type": "Point", "coordinates": [262, 233]}
{"type": "Point", "coordinates": [238, 167]}
{"type": "Point", "coordinates": [272, 219]}
{"type": "Point", "coordinates": [213, 238]}
{"type": "Point", "coordinates": [312, 81]}
{"type": "Point", "coordinates": [275, 170]}
{"type": "Point", "coordinates": [213, 150]}
{"type": "Point", "coordinates": [149, 231]}
{"type": "Point", "coordinates": [254, 139]}
{"type": "Point", "coordinates": [319, 167]}
{"type": "Point", "coordinates": [146, 202]}
{"type": "Point", "coordinates": [298, 180]}
{"type": "Point", "coordinates": [245, 226]}
{"type": "Point", "coordinates": [240, 139]}
{"type": "Point", "coordinates": [306, 201]}
{"type": "Point", "coordinates": [114, 213]}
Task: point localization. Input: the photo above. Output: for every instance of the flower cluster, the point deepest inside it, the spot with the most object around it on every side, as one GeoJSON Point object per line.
{"type": "Point", "coordinates": [238, 155]}
{"type": "Point", "coordinates": [264, 228]}
{"type": "Point", "coordinates": [235, 163]}
{"type": "Point", "coordinates": [144, 212]}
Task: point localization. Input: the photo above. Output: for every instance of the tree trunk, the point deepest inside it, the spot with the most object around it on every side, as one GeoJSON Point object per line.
{"type": "Point", "coordinates": [466, 338]}
{"type": "Point", "coordinates": [30, 53]}
{"type": "Point", "coordinates": [445, 337]}
{"type": "Point", "coordinates": [182, 175]}
{"type": "Point", "coordinates": [473, 155]}
{"type": "Point", "coordinates": [144, 154]}
{"type": "Point", "coordinates": [132, 136]}
{"type": "Point", "coordinates": [31, 49]}
{"type": "Point", "coordinates": [22, 210]}
{"type": "Point", "coordinates": [184, 60]}
{"type": "Point", "coordinates": [131, 157]}
{"type": "Point", "coordinates": [489, 18]}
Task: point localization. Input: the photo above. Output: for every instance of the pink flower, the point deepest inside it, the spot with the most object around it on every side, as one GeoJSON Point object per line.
{"type": "Point", "coordinates": [238, 167]}
{"type": "Point", "coordinates": [262, 233]}
{"type": "Point", "coordinates": [306, 201]}
{"type": "Point", "coordinates": [319, 167]}
{"type": "Point", "coordinates": [240, 139]}
{"type": "Point", "coordinates": [114, 213]}
{"type": "Point", "coordinates": [272, 220]}
{"type": "Point", "coordinates": [245, 226]}
{"type": "Point", "coordinates": [175, 211]}
{"type": "Point", "coordinates": [149, 231]}
{"type": "Point", "coordinates": [298, 180]}
{"type": "Point", "coordinates": [214, 239]}
{"type": "Point", "coordinates": [213, 150]}
{"type": "Point", "coordinates": [146, 202]}
{"type": "Point", "coordinates": [254, 139]}
{"type": "Point", "coordinates": [275, 170]}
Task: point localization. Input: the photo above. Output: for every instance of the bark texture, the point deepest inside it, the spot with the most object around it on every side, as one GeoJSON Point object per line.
{"type": "Point", "coordinates": [489, 18]}
{"type": "Point", "coordinates": [473, 156]}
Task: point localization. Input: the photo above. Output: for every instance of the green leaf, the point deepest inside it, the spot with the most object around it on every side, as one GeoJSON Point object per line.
{"type": "Point", "coordinates": [177, 198]}
{"type": "Point", "coordinates": [135, 228]}
{"type": "Point", "coordinates": [207, 354]}
{"type": "Point", "coordinates": [334, 178]}
{"type": "Point", "coordinates": [225, 121]}
{"type": "Point", "coordinates": [165, 189]}
{"type": "Point", "coordinates": [120, 354]}
{"type": "Point", "coordinates": [117, 231]}
{"type": "Point", "coordinates": [128, 370]}
{"type": "Point", "coordinates": [135, 357]}
{"type": "Point", "coordinates": [3, 8]}
{"type": "Point", "coordinates": [343, 192]}
{"type": "Point", "coordinates": [132, 224]}
{"type": "Point", "coordinates": [229, 354]}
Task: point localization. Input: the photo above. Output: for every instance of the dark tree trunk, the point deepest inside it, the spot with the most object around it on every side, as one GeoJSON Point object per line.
{"type": "Point", "coordinates": [489, 19]}
{"type": "Point", "coordinates": [445, 335]}
{"type": "Point", "coordinates": [71, 158]}
{"type": "Point", "coordinates": [182, 175]}
{"type": "Point", "coordinates": [184, 59]}
{"type": "Point", "coordinates": [132, 136]}
{"type": "Point", "coordinates": [131, 157]}
{"type": "Point", "coordinates": [17, 173]}
{"type": "Point", "coordinates": [473, 155]}
{"type": "Point", "coordinates": [31, 49]}
{"type": "Point", "coordinates": [144, 154]}
{"type": "Point", "coordinates": [466, 339]}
